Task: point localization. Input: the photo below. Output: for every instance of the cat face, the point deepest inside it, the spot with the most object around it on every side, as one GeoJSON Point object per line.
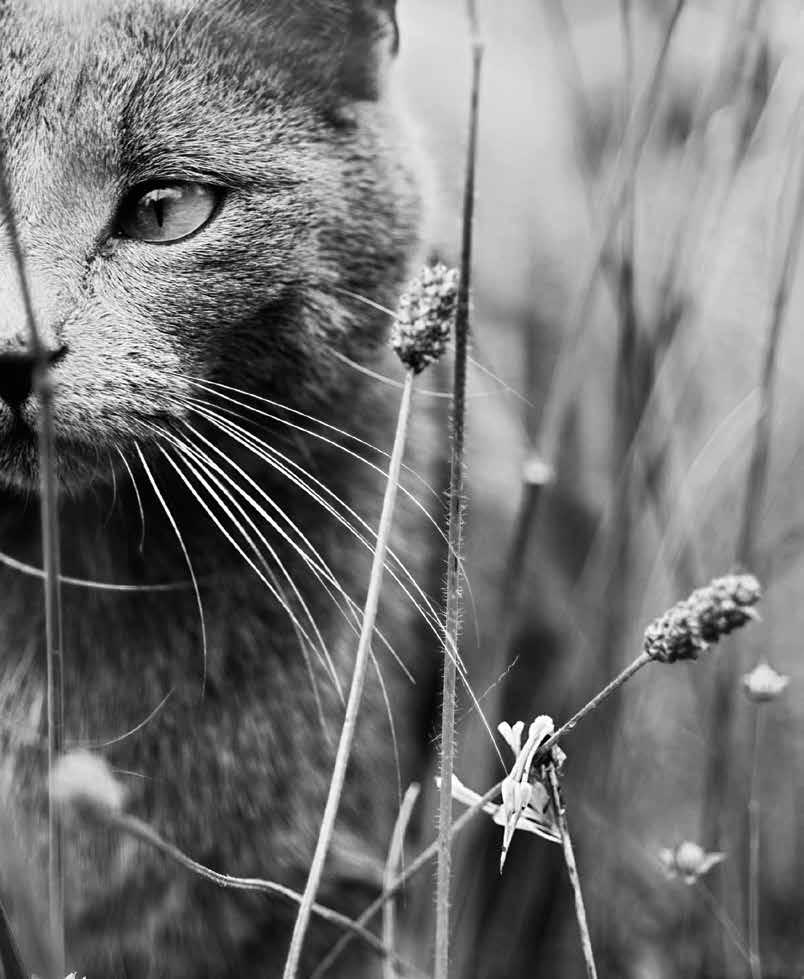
{"type": "Point", "coordinates": [192, 193]}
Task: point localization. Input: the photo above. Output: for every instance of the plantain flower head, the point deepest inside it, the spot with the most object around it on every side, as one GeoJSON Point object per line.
{"type": "Point", "coordinates": [424, 319]}
{"type": "Point", "coordinates": [691, 626]}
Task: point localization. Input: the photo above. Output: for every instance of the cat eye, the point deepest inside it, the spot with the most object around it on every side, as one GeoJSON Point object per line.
{"type": "Point", "coordinates": [166, 212]}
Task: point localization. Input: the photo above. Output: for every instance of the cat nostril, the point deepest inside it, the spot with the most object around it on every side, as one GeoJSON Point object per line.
{"type": "Point", "coordinates": [17, 374]}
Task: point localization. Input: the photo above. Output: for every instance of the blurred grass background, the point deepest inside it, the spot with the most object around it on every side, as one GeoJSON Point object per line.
{"type": "Point", "coordinates": [657, 427]}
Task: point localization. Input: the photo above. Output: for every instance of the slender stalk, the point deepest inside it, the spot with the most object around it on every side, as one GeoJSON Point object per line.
{"type": "Point", "coordinates": [753, 846]}
{"type": "Point", "coordinates": [455, 528]}
{"type": "Point", "coordinates": [141, 831]}
{"type": "Point", "coordinates": [395, 851]}
{"type": "Point", "coordinates": [725, 922]}
{"type": "Point", "coordinates": [410, 871]}
{"type": "Point", "coordinates": [642, 660]}
{"type": "Point", "coordinates": [572, 870]}
{"type": "Point", "coordinates": [356, 690]}
{"type": "Point", "coordinates": [51, 564]}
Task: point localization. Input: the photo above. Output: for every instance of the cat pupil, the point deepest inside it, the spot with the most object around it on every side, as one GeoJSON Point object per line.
{"type": "Point", "coordinates": [168, 213]}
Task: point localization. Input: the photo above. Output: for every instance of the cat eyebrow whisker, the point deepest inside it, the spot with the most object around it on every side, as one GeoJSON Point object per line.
{"type": "Point", "coordinates": [185, 552]}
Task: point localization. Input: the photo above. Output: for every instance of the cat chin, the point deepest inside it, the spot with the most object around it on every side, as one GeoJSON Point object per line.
{"type": "Point", "coordinates": [78, 469]}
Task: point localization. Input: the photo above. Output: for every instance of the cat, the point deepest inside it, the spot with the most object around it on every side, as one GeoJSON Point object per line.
{"type": "Point", "coordinates": [215, 202]}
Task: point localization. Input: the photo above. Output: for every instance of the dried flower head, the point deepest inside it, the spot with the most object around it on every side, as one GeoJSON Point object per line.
{"type": "Point", "coordinates": [424, 318]}
{"type": "Point", "coordinates": [522, 792]}
{"type": "Point", "coordinates": [692, 625]}
{"type": "Point", "coordinates": [85, 781]}
{"type": "Point", "coordinates": [763, 683]}
{"type": "Point", "coordinates": [689, 861]}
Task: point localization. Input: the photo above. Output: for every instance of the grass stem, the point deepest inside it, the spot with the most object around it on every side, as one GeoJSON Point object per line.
{"type": "Point", "coordinates": [141, 831]}
{"type": "Point", "coordinates": [421, 861]}
{"type": "Point", "coordinates": [455, 527]}
{"type": "Point", "coordinates": [356, 689]}
{"type": "Point", "coordinates": [725, 922]}
{"type": "Point", "coordinates": [642, 660]}
{"type": "Point", "coordinates": [754, 815]}
{"type": "Point", "coordinates": [572, 870]}
{"type": "Point", "coordinates": [51, 563]}
{"type": "Point", "coordinates": [395, 854]}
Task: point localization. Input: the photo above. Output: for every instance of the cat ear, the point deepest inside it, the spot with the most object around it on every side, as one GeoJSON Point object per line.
{"type": "Point", "coordinates": [373, 38]}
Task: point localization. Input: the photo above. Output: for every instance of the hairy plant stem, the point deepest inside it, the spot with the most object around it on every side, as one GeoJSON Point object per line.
{"type": "Point", "coordinates": [356, 690]}
{"type": "Point", "coordinates": [51, 565]}
{"type": "Point", "coordinates": [572, 869]}
{"type": "Point", "coordinates": [455, 527]}
{"type": "Point", "coordinates": [754, 806]}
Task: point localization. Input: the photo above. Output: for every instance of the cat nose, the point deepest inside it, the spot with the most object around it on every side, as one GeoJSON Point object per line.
{"type": "Point", "coordinates": [17, 368]}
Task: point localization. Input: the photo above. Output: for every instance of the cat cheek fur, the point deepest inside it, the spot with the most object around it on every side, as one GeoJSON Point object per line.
{"type": "Point", "coordinates": [285, 106]}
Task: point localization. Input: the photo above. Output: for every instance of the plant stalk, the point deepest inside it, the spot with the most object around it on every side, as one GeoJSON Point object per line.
{"type": "Point", "coordinates": [356, 689]}
{"type": "Point", "coordinates": [51, 567]}
{"type": "Point", "coordinates": [572, 870]}
{"type": "Point", "coordinates": [754, 816]}
{"type": "Point", "coordinates": [455, 528]}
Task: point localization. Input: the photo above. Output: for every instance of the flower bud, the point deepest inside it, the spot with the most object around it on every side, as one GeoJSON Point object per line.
{"type": "Point", "coordinates": [689, 861]}
{"type": "Point", "coordinates": [763, 683]}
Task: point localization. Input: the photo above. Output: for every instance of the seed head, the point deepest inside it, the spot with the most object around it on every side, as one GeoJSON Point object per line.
{"type": "Point", "coordinates": [763, 683]}
{"type": "Point", "coordinates": [694, 624]}
{"type": "Point", "coordinates": [424, 318]}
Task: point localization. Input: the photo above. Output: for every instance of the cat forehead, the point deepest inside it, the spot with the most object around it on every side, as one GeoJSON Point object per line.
{"type": "Point", "coordinates": [79, 13]}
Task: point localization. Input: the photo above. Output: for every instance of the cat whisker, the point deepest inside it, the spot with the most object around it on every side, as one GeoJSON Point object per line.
{"type": "Point", "coordinates": [113, 504]}
{"type": "Point", "coordinates": [384, 379]}
{"type": "Point", "coordinates": [264, 573]}
{"type": "Point", "coordinates": [141, 545]}
{"type": "Point", "coordinates": [177, 532]}
{"type": "Point", "coordinates": [477, 364]}
{"type": "Point", "coordinates": [297, 475]}
{"type": "Point", "coordinates": [271, 455]}
{"type": "Point", "coordinates": [217, 390]}
{"type": "Point", "coordinates": [186, 449]}
{"type": "Point", "coordinates": [29, 569]}
{"type": "Point", "coordinates": [99, 745]}
{"type": "Point", "coordinates": [355, 455]}
{"type": "Point", "coordinates": [313, 559]}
